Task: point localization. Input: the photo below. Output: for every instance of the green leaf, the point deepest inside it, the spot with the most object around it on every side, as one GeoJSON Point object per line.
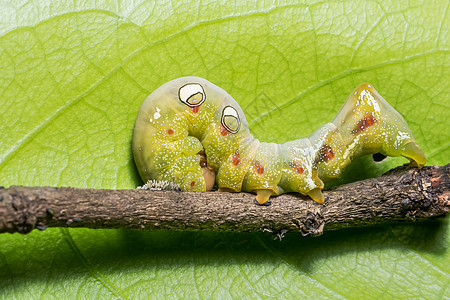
{"type": "Point", "coordinates": [75, 73]}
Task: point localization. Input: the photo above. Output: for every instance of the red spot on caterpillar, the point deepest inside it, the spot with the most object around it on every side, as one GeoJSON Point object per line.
{"type": "Point", "coordinates": [236, 159]}
{"type": "Point", "coordinates": [223, 131]}
{"type": "Point", "coordinates": [195, 109]}
{"type": "Point", "coordinates": [170, 131]}
{"type": "Point", "coordinates": [297, 167]}
{"type": "Point", "coordinates": [259, 168]}
{"type": "Point", "coordinates": [192, 184]}
{"type": "Point", "coordinates": [363, 124]}
{"type": "Point", "coordinates": [326, 153]}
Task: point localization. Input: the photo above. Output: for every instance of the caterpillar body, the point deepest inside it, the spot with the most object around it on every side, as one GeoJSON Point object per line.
{"type": "Point", "coordinates": [193, 133]}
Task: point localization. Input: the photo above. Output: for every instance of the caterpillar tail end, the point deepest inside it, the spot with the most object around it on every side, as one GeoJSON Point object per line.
{"type": "Point", "coordinates": [263, 197]}
{"type": "Point", "coordinates": [415, 155]}
{"type": "Point", "coordinates": [317, 195]}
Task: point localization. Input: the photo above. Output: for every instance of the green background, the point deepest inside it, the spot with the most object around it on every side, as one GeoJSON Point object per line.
{"type": "Point", "coordinates": [73, 76]}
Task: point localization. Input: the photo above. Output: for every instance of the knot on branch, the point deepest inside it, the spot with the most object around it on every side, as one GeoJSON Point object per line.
{"type": "Point", "coordinates": [24, 207]}
{"type": "Point", "coordinates": [431, 185]}
{"type": "Point", "coordinates": [312, 223]}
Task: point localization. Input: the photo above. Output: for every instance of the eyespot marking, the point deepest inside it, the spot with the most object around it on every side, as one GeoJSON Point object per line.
{"type": "Point", "coordinates": [326, 153]}
{"type": "Point", "coordinates": [230, 119]}
{"type": "Point", "coordinates": [195, 109]}
{"type": "Point", "coordinates": [192, 94]}
{"type": "Point", "coordinates": [363, 124]}
{"type": "Point", "coordinates": [192, 184]}
{"type": "Point", "coordinates": [170, 131]}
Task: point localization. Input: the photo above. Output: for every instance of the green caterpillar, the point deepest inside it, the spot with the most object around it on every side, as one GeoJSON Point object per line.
{"type": "Point", "coordinates": [193, 133]}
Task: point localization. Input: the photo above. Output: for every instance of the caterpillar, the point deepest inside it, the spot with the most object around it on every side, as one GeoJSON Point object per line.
{"type": "Point", "coordinates": [193, 133]}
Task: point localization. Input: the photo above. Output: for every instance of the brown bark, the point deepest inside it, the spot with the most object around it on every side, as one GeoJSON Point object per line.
{"type": "Point", "coordinates": [403, 194]}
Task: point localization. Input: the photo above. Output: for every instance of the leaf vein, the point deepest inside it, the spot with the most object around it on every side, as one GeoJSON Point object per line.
{"type": "Point", "coordinates": [95, 273]}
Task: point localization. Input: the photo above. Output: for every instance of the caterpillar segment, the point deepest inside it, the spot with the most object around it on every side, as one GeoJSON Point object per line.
{"type": "Point", "coordinates": [193, 133]}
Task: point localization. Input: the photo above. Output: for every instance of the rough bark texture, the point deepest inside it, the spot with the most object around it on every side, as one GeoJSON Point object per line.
{"type": "Point", "coordinates": [403, 194]}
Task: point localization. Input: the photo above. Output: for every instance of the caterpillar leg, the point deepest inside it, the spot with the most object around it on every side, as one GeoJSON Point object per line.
{"type": "Point", "coordinates": [317, 195]}
{"type": "Point", "coordinates": [415, 155]}
{"type": "Point", "coordinates": [210, 178]}
{"type": "Point", "coordinates": [263, 197]}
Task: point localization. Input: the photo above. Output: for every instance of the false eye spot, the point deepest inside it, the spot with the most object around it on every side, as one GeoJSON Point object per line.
{"type": "Point", "coordinates": [326, 153]}
{"type": "Point", "coordinates": [192, 94]}
{"type": "Point", "coordinates": [195, 109]}
{"type": "Point", "coordinates": [170, 131]}
{"type": "Point", "coordinates": [192, 184]}
{"type": "Point", "coordinates": [366, 122]}
{"type": "Point", "coordinates": [230, 119]}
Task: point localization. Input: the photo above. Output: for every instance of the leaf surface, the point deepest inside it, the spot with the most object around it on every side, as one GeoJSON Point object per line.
{"type": "Point", "coordinates": [74, 76]}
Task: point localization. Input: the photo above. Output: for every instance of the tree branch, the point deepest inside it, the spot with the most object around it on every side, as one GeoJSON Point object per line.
{"type": "Point", "coordinates": [402, 194]}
